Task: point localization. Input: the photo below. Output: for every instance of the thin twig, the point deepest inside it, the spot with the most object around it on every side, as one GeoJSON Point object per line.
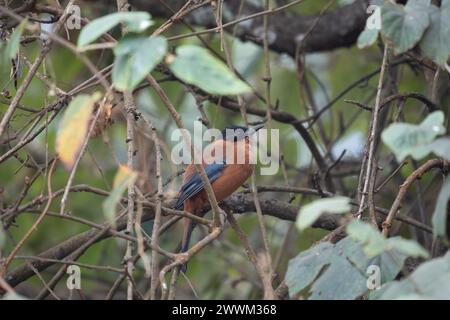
{"type": "Point", "coordinates": [35, 224]}
{"type": "Point", "coordinates": [369, 185]}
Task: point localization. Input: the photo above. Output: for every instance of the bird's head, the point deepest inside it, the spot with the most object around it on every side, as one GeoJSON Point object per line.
{"type": "Point", "coordinates": [237, 133]}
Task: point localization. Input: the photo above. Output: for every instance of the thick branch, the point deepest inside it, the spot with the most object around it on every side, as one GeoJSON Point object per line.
{"type": "Point", "coordinates": [331, 30]}
{"type": "Point", "coordinates": [238, 203]}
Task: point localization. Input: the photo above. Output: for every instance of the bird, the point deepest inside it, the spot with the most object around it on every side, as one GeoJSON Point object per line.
{"type": "Point", "coordinates": [225, 176]}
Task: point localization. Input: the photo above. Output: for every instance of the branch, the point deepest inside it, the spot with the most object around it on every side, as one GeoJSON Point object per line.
{"type": "Point", "coordinates": [417, 174]}
{"type": "Point", "coordinates": [238, 203]}
{"type": "Point", "coordinates": [336, 29]}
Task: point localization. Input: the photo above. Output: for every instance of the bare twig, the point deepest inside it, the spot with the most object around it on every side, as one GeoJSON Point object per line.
{"type": "Point", "coordinates": [35, 224]}
{"type": "Point", "coordinates": [369, 183]}
{"type": "Point", "coordinates": [427, 166]}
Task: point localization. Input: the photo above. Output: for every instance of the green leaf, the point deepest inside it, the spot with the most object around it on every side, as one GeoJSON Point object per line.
{"type": "Point", "coordinates": [124, 177]}
{"type": "Point", "coordinates": [405, 25]}
{"type": "Point", "coordinates": [196, 66]}
{"type": "Point", "coordinates": [431, 280]}
{"type": "Point", "coordinates": [408, 247]}
{"type": "Point", "coordinates": [312, 211]}
{"type": "Point", "coordinates": [441, 147]}
{"type": "Point", "coordinates": [435, 42]}
{"type": "Point", "coordinates": [371, 31]}
{"type": "Point", "coordinates": [133, 21]}
{"type": "Point", "coordinates": [374, 243]}
{"type": "Point", "coordinates": [367, 38]}
{"type": "Point", "coordinates": [410, 139]}
{"type": "Point", "coordinates": [304, 268]}
{"type": "Point", "coordinates": [439, 220]}
{"type": "Point", "coordinates": [338, 271]}
{"type": "Point", "coordinates": [74, 128]}
{"type": "Point", "coordinates": [136, 56]}
{"type": "Point", "coordinates": [14, 42]}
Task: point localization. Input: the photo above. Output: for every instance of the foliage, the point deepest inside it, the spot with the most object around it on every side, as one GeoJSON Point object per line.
{"type": "Point", "coordinates": [417, 23]}
{"type": "Point", "coordinates": [133, 21]}
{"type": "Point", "coordinates": [373, 243]}
{"type": "Point", "coordinates": [13, 44]}
{"type": "Point", "coordinates": [136, 56]}
{"type": "Point", "coordinates": [338, 271]}
{"type": "Point", "coordinates": [439, 219]}
{"type": "Point", "coordinates": [416, 140]}
{"type": "Point", "coordinates": [434, 42]}
{"type": "Point", "coordinates": [287, 74]}
{"type": "Point", "coordinates": [405, 25]}
{"type": "Point", "coordinates": [312, 211]}
{"type": "Point", "coordinates": [197, 66]}
{"type": "Point", "coordinates": [74, 127]}
{"type": "Point", "coordinates": [431, 280]}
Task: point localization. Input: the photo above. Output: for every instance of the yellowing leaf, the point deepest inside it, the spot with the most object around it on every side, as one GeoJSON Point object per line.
{"type": "Point", "coordinates": [124, 178]}
{"type": "Point", "coordinates": [74, 128]}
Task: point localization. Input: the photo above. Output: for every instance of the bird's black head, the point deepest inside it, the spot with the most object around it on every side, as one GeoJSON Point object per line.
{"type": "Point", "coordinates": [236, 133]}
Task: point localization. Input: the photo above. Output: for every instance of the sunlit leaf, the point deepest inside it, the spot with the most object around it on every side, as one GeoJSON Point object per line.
{"type": "Point", "coordinates": [136, 56]}
{"type": "Point", "coordinates": [73, 128]}
{"type": "Point", "coordinates": [435, 42]}
{"type": "Point", "coordinates": [124, 178]}
{"type": "Point", "coordinates": [410, 139]}
{"type": "Point", "coordinates": [405, 25]}
{"type": "Point", "coordinates": [14, 42]}
{"type": "Point", "coordinates": [133, 21]}
{"type": "Point", "coordinates": [196, 66]}
{"type": "Point", "coordinates": [309, 213]}
{"type": "Point", "coordinates": [439, 220]}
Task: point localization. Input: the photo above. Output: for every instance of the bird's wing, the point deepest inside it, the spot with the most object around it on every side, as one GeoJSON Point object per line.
{"type": "Point", "coordinates": [194, 183]}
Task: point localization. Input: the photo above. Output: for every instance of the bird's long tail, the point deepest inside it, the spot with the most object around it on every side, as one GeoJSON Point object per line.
{"type": "Point", "coordinates": [187, 233]}
{"type": "Point", "coordinates": [189, 226]}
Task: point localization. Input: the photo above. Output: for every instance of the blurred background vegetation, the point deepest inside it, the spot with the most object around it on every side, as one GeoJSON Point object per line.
{"type": "Point", "coordinates": [221, 270]}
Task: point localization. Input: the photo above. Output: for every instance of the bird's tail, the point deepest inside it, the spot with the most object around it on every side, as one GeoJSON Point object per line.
{"type": "Point", "coordinates": [187, 233]}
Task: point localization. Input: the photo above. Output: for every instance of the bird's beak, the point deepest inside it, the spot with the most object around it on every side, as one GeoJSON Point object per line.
{"type": "Point", "coordinates": [252, 130]}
